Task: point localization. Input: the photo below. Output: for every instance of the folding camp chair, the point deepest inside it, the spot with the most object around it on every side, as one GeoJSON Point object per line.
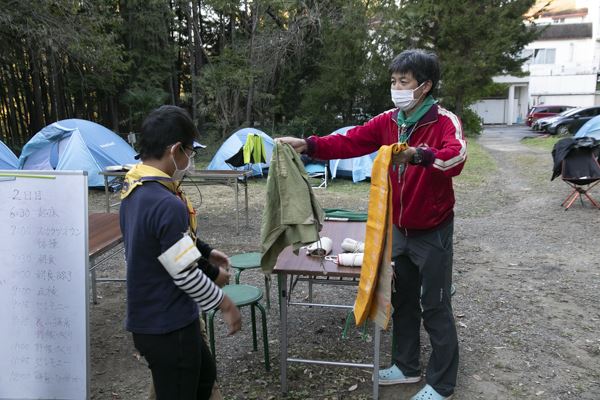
{"type": "Point", "coordinates": [580, 170]}
{"type": "Point", "coordinates": [317, 171]}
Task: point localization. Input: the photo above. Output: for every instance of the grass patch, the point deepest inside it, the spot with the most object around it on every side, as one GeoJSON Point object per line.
{"type": "Point", "coordinates": [338, 185]}
{"type": "Point", "coordinates": [478, 168]}
{"type": "Point", "coordinates": [342, 185]}
{"type": "Point", "coordinates": [542, 142]}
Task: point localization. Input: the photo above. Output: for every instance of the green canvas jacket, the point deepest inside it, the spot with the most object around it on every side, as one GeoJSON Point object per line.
{"type": "Point", "coordinates": [292, 214]}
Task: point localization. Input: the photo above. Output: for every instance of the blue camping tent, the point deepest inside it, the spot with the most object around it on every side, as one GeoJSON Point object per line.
{"type": "Point", "coordinates": [359, 168]}
{"type": "Point", "coordinates": [8, 160]}
{"type": "Point", "coordinates": [76, 144]}
{"type": "Point", "coordinates": [233, 144]}
{"type": "Point", "coordinates": [590, 128]}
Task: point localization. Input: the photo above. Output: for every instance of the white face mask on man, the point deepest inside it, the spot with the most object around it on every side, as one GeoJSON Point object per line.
{"type": "Point", "coordinates": [405, 99]}
{"type": "Point", "coordinates": [179, 174]}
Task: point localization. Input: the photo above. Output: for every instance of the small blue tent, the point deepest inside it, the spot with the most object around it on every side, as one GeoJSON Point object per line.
{"type": "Point", "coordinates": [76, 144]}
{"type": "Point", "coordinates": [359, 168]}
{"type": "Point", "coordinates": [8, 160]}
{"type": "Point", "coordinates": [590, 128]}
{"type": "Point", "coordinates": [233, 144]}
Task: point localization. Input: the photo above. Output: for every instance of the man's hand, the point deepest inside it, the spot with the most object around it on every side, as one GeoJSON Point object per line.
{"type": "Point", "coordinates": [219, 259]}
{"type": "Point", "coordinates": [231, 315]}
{"type": "Point", "coordinates": [223, 277]}
{"type": "Point", "coordinates": [404, 156]}
{"type": "Point", "coordinates": [297, 144]}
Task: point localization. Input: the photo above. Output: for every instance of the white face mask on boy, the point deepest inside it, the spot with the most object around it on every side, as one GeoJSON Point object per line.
{"type": "Point", "coordinates": [405, 99]}
{"type": "Point", "coordinates": [179, 174]}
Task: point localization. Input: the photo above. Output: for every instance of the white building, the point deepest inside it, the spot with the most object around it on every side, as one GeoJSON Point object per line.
{"type": "Point", "coordinates": [563, 68]}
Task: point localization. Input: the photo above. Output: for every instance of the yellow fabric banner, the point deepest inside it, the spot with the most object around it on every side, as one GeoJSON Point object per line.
{"type": "Point", "coordinates": [375, 287]}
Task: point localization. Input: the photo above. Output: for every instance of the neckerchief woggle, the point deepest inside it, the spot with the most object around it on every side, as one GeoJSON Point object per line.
{"type": "Point", "coordinates": [141, 173]}
{"type": "Point", "coordinates": [414, 117]}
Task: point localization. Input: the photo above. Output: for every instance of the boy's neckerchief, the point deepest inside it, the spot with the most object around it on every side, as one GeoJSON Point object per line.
{"type": "Point", "coordinates": [141, 173]}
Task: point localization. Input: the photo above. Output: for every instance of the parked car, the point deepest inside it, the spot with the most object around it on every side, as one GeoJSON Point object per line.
{"type": "Point", "coordinates": [572, 120]}
{"type": "Point", "coordinates": [542, 123]}
{"type": "Point", "coordinates": [542, 111]}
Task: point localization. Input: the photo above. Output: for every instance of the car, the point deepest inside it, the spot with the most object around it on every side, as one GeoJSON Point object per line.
{"type": "Point", "coordinates": [572, 120]}
{"type": "Point", "coordinates": [542, 123]}
{"type": "Point", "coordinates": [542, 111]}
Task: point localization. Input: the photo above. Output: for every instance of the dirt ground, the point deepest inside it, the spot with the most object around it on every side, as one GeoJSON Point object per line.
{"type": "Point", "coordinates": [527, 276]}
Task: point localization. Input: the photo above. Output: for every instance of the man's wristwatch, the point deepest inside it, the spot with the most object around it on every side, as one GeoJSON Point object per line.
{"type": "Point", "coordinates": [417, 158]}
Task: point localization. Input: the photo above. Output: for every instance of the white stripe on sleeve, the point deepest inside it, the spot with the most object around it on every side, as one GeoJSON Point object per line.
{"type": "Point", "coordinates": [200, 288]}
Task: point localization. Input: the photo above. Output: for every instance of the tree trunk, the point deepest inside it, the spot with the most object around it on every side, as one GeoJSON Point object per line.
{"type": "Point", "coordinates": [236, 107]}
{"type": "Point", "coordinates": [37, 116]}
{"type": "Point", "coordinates": [250, 99]}
{"type": "Point", "coordinates": [24, 91]}
{"type": "Point", "coordinates": [18, 109]}
{"type": "Point", "coordinates": [8, 114]}
{"type": "Point", "coordinates": [44, 79]}
{"type": "Point", "coordinates": [200, 56]}
{"type": "Point", "coordinates": [187, 8]}
{"type": "Point", "coordinates": [51, 87]}
{"type": "Point", "coordinates": [113, 113]}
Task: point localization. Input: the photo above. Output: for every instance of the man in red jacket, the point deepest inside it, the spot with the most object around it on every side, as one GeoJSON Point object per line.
{"type": "Point", "coordinates": [423, 202]}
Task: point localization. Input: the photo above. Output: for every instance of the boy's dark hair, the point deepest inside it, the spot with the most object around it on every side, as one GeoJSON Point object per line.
{"type": "Point", "coordinates": [163, 127]}
{"type": "Point", "coordinates": [423, 65]}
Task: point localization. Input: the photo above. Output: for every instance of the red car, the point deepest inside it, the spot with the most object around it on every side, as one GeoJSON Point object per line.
{"type": "Point", "coordinates": [542, 111]}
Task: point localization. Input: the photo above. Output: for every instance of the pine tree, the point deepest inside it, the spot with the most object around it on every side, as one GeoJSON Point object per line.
{"type": "Point", "coordinates": [474, 39]}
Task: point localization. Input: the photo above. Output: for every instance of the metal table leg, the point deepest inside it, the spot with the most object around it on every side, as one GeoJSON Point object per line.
{"type": "Point", "coordinates": [283, 339]}
{"type": "Point", "coordinates": [93, 278]}
{"type": "Point", "coordinates": [246, 199]}
{"type": "Point", "coordinates": [237, 207]}
{"type": "Point", "coordinates": [376, 362]}
{"type": "Point", "coordinates": [106, 194]}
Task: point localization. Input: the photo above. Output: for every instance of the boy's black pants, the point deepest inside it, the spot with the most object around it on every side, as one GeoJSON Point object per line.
{"type": "Point", "coordinates": [181, 364]}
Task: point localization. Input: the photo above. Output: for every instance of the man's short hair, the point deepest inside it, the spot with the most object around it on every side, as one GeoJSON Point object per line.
{"type": "Point", "coordinates": [163, 127]}
{"type": "Point", "coordinates": [422, 64]}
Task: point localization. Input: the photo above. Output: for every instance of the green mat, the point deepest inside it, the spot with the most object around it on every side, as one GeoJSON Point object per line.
{"type": "Point", "coordinates": [339, 214]}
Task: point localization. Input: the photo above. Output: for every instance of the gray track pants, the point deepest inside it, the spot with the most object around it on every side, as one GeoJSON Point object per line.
{"type": "Point", "coordinates": [425, 261]}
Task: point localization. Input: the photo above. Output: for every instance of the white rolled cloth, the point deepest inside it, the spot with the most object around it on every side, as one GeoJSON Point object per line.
{"type": "Point", "coordinates": [353, 246]}
{"type": "Point", "coordinates": [320, 248]}
{"type": "Point", "coordinates": [350, 259]}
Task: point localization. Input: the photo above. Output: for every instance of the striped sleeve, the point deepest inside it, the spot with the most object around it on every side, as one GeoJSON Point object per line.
{"type": "Point", "coordinates": [200, 288]}
{"type": "Point", "coordinates": [451, 157]}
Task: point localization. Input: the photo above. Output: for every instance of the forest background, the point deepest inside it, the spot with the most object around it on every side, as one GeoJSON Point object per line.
{"type": "Point", "coordinates": [287, 67]}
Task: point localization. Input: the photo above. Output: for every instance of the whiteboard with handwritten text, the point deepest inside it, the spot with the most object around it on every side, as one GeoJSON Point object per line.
{"type": "Point", "coordinates": [43, 285]}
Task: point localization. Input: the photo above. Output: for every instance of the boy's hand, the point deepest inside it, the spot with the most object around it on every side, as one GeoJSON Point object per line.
{"type": "Point", "coordinates": [219, 259]}
{"type": "Point", "coordinates": [223, 277]}
{"type": "Point", "coordinates": [231, 315]}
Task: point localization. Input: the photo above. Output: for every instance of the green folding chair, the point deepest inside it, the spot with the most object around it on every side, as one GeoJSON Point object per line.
{"type": "Point", "coordinates": [244, 261]}
{"type": "Point", "coordinates": [243, 295]}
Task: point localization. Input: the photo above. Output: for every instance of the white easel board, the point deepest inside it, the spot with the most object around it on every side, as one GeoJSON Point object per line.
{"type": "Point", "coordinates": [43, 285]}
